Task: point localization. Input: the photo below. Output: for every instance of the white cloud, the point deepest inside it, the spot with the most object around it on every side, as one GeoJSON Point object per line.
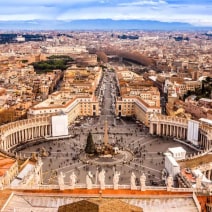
{"type": "Point", "coordinates": [143, 2]}
{"type": "Point", "coordinates": [44, 2]}
{"type": "Point", "coordinates": [198, 15]}
{"type": "Point", "coordinates": [161, 10]}
{"type": "Point", "coordinates": [26, 13]}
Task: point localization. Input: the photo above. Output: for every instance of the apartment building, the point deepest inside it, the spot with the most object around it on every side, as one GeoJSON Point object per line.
{"type": "Point", "coordinates": [138, 98]}
{"type": "Point", "coordinates": [76, 96]}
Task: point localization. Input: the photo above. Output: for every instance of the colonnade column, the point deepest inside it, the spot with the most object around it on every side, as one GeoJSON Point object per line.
{"type": "Point", "coordinates": [164, 129]}
{"type": "Point", "coordinates": [151, 128]}
{"type": "Point", "coordinates": [32, 132]}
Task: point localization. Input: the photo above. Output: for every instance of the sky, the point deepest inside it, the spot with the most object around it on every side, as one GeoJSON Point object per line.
{"type": "Point", "coordinates": [196, 12]}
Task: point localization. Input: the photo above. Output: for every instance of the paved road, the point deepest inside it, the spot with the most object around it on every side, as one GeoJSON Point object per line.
{"type": "Point", "coordinates": [108, 110]}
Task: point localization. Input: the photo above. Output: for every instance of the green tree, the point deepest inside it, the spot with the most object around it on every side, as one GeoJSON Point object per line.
{"type": "Point", "coordinates": [90, 146]}
{"type": "Point", "coordinates": [53, 62]}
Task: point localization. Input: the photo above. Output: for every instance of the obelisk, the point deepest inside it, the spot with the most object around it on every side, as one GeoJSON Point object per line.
{"type": "Point", "coordinates": [106, 134]}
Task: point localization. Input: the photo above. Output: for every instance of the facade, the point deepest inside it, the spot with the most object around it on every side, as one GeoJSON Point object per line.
{"type": "Point", "coordinates": [30, 174]}
{"type": "Point", "coordinates": [136, 107]}
{"type": "Point", "coordinates": [8, 169]}
{"type": "Point", "coordinates": [178, 86]}
{"type": "Point", "coordinates": [63, 50]}
{"type": "Point", "coordinates": [199, 109]}
{"type": "Point", "coordinates": [24, 131]}
{"type": "Point", "coordinates": [171, 165]}
{"type": "Point", "coordinates": [73, 106]}
{"type": "Point", "coordinates": [178, 153]}
{"type": "Point", "coordinates": [13, 174]}
{"type": "Point", "coordinates": [76, 96]}
{"type": "Point", "coordinates": [177, 128]}
{"type": "Point", "coordinates": [138, 98]}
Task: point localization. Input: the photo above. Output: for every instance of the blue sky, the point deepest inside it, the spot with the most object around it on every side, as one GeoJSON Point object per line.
{"type": "Point", "coordinates": [194, 12]}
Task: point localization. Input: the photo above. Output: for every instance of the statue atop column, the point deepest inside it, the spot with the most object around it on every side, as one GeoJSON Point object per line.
{"type": "Point", "coordinates": [39, 161]}
{"type": "Point", "coordinates": [209, 189]}
{"type": "Point", "coordinates": [132, 181]}
{"type": "Point", "coordinates": [116, 180]}
{"type": "Point", "coordinates": [143, 182]}
{"type": "Point", "coordinates": [89, 183]}
{"type": "Point", "coordinates": [61, 180]}
{"type": "Point", "coordinates": [101, 178]}
{"type": "Point", "coordinates": [73, 179]}
{"type": "Point", "coordinates": [169, 182]}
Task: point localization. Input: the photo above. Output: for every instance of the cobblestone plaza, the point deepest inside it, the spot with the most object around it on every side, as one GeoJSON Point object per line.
{"type": "Point", "coordinates": [62, 155]}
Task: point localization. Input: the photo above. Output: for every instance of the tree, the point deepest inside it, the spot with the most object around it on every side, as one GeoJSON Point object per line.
{"type": "Point", "coordinates": [53, 62]}
{"type": "Point", "coordinates": [90, 146]}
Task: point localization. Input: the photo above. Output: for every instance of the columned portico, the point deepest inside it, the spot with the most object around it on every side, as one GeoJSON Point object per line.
{"type": "Point", "coordinates": [23, 131]}
{"type": "Point", "coordinates": [177, 127]}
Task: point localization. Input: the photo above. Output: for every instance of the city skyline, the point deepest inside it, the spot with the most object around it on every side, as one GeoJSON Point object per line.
{"type": "Point", "coordinates": [125, 114]}
{"type": "Point", "coordinates": [183, 11]}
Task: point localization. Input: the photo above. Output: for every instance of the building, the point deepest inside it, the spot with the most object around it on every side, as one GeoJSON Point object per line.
{"type": "Point", "coordinates": [63, 49]}
{"type": "Point", "coordinates": [8, 169]}
{"type": "Point", "coordinates": [73, 106]}
{"type": "Point", "coordinates": [99, 205]}
{"type": "Point", "coordinates": [29, 174]}
{"type": "Point", "coordinates": [178, 128]}
{"type": "Point", "coordinates": [137, 97]}
{"type": "Point", "coordinates": [76, 97]}
{"type": "Point", "coordinates": [171, 166]}
{"type": "Point", "coordinates": [152, 200]}
{"type": "Point", "coordinates": [178, 153]}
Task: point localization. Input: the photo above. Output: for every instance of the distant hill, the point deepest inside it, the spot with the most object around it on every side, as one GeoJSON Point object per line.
{"type": "Point", "coordinates": [97, 24]}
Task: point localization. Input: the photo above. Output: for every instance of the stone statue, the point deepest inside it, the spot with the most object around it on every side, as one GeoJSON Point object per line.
{"type": "Point", "coordinates": [101, 178]}
{"type": "Point", "coordinates": [73, 179]}
{"type": "Point", "coordinates": [169, 182]}
{"type": "Point", "coordinates": [116, 180]}
{"type": "Point", "coordinates": [132, 181]}
{"type": "Point", "coordinates": [143, 182]}
{"type": "Point", "coordinates": [61, 180]}
{"type": "Point", "coordinates": [209, 188]}
{"type": "Point", "coordinates": [89, 183]}
{"type": "Point", "coordinates": [39, 161]}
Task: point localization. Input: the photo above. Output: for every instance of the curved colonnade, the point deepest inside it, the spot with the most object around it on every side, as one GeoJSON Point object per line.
{"type": "Point", "coordinates": [27, 130]}
{"type": "Point", "coordinates": [177, 127]}
{"type": "Point", "coordinates": [24, 131]}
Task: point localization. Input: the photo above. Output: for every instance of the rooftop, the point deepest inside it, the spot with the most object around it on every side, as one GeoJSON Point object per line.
{"type": "Point", "coordinates": [5, 163]}
{"type": "Point", "coordinates": [99, 205]}
{"type": "Point", "coordinates": [151, 201]}
{"type": "Point", "coordinates": [175, 150]}
{"type": "Point", "coordinates": [193, 163]}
